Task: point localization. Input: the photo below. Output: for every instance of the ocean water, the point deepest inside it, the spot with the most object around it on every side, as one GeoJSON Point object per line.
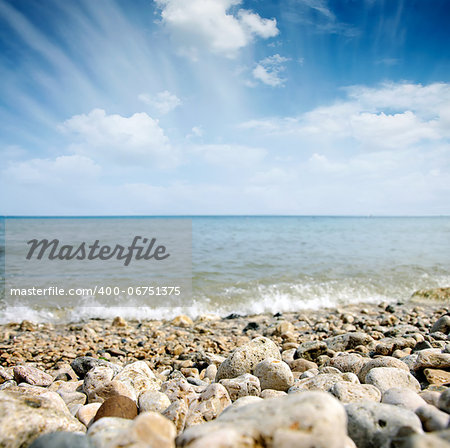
{"type": "Point", "coordinates": [257, 264]}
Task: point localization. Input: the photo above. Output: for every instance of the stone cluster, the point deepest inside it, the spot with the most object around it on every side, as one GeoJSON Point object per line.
{"type": "Point", "coordinates": [363, 376]}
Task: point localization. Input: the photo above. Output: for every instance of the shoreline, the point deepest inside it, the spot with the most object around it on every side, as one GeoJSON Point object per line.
{"type": "Point", "coordinates": [123, 341]}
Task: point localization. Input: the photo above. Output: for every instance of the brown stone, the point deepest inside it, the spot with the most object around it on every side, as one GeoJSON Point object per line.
{"type": "Point", "coordinates": [437, 376]}
{"type": "Point", "coordinates": [117, 406]}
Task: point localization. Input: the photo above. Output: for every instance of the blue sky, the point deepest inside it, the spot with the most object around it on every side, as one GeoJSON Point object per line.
{"type": "Point", "coordinates": [224, 107]}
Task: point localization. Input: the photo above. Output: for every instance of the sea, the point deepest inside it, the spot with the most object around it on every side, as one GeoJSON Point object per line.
{"type": "Point", "coordinates": [260, 264]}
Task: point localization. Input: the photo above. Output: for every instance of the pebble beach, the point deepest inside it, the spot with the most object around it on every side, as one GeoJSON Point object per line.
{"type": "Point", "coordinates": [366, 375]}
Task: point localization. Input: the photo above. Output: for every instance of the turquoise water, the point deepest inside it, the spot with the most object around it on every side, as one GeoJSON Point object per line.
{"type": "Point", "coordinates": [276, 264]}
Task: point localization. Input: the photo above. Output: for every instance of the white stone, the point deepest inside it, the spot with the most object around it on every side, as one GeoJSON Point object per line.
{"type": "Point", "coordinates": [404, 397]}
{"type": "Point", "coordinates": [139, 376]}
{"type": "Point", "coordinates": [309, 419]}
{"type": "Point", "coordinates": [274, 374]}
{"type": "Point", "coordinates": [245, 358]}
{"type": "Point", "coordinates": [385, 378]}
{"type": "Point", "coordinates": [348, 392]}
{"type": "Point", "coordinates": [24, 417]}
{"type": "Point", "coordinates": [152, 400]}
{"type": "Point", "coordinates": [373, 424]}
{"type": "Point", "coordinates": [241, 386]}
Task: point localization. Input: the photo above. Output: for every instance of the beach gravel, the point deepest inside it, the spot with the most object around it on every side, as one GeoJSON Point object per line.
{"type": "Point", "coordinates": [223, 382]}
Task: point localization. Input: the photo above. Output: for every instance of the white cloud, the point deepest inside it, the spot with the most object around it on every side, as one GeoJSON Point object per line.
{"type": "Point", "coordinates": [391, 116]}
{"type": "Point", "coordinates": [53, 171]}
{"type": "Point", "coordinates": [268, 70]}
{"type": "Point", "coordinates": [164, 102]}
{"type": "Point", "coordinates": [231, 156]}
{"type": "Point", "coordinates": [127, 140]}
{"type": "Point", "coordinates": [196, 131]}
{"type": "Point", "coordinates": [212, 25]}
{"type": "Point", "coordinates": [256, 25]}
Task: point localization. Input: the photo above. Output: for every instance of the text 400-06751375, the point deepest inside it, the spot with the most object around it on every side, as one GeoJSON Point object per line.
{"type": "Point", "coordinates": [98, 290]}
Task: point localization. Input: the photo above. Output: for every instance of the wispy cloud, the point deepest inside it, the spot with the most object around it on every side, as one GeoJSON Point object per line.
{"type": "Point", "coordinates": [268, 70]}
{"type": "Point", "coordinates": [318, 14]}
{"type": "Point", "coordinates": [164, 102]}
{"type": "Point", "coordinates": [391, 116]}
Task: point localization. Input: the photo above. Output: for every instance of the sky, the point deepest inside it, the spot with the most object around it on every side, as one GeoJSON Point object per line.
{"type": "Point", "coordinates": [156, 107]}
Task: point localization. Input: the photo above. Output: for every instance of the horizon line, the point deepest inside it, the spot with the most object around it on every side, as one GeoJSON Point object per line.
{"type": "Point", "coordinates": [228, 216]}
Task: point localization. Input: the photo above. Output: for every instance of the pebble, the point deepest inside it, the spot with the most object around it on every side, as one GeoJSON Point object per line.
{"type": "Point", "coordinates": [96, 378]}
{"type": "Point", "coordinates": [311, 350]}
{"type": "Point", "coordinates": [119, 322]}
{"type": "Point", "coordinates": [432, 418]}
{"type": "Point", "coordinates": [403, 397]}
{"type": "Point", "coordinates": [31, 375]}
{"type": "Point", "coordinates": [430, 396]}
{"type": "Point", "coordinates": [437, 376]}
{"type": "Point", "coordinates": [274, 374]}
{"type": "Point", "coordinates": [375, 424]}
{"type": "Point", "coordinates": [83, 364]}
{"type": "Point", "coordinates": [179, 388]}
{"type": "Point", "coordinates": [271, 393]}
{"type": "Point", "coordinates": [442, 325]}
{"type": "Point", "coordinates": [211, 372]}
{"type": "Point", "coordinates": [242, 386]}
{"type": "Point", "coordinates": [104, 432]}
{"type": "Point", "coordinates": [308, 419]}
{"type": "Point", "coordinates": [62, 440]}
{"type": "Point", "coordinates": [72, 398]}
{"type": "Point", "coordinates": [323, 381]}
{"type": "Point", "coordinates": [5, 375]}
{"type": "Point", "coordinates": [301, 365]}
{"type": "Point", "coordinates": [210, 404]}
{"type": "Point", "coordinates": [245, 358]}
{"type": "Point", "coordinates": [444, 401]}
{"type": "Point", "coordinates": [244, 401]}
{"type": "Point", "coordinates": [385, 378]}
{"type": "Point", "coordinates": [382, 361]}
{"type": "Point", "coordinates": [110, 389]}
{"type": "Point", "coordinates": [87, 413]}
{"type": "Point", "coordinates": [352, 393]}
{"type": "Point", "coordinates": [433, 359]}
{"type": "Point", "coordinates": [348, 341]}
{"type": "Point", "coordinates": [24, 417]}
{"type": "Point", "coordinates": [117, 406]}
{"type": "Point", "coordinates": [177, 413]}
{"type": "Point", "coordinates": [152, 400]}
{"type": "Point", "coordinates": [420, 441]}
{"type": "Point", "coordinates": [182, 321]}
{"type": "Point", "coordinates": [348, 362]}
{"type": "Point", "coordinates": [149, 429]}
{"type": "Point", "coordinates": [139, 377]}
